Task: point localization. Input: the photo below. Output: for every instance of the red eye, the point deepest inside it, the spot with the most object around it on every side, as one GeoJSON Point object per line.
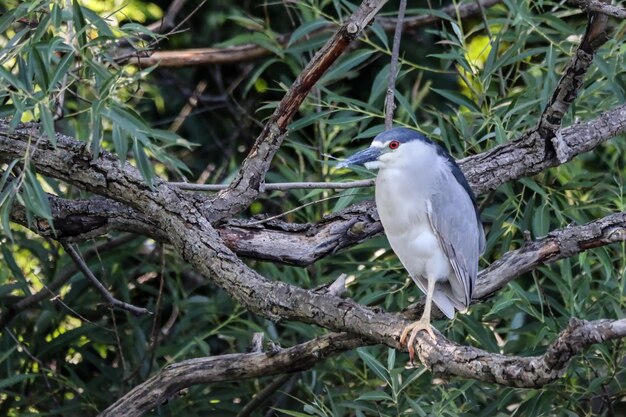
{"type": "Point", "coordinates": [394, 144]}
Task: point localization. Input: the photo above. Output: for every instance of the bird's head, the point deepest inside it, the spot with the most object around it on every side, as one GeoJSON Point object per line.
{"type": "Point", "coordinates": [393, 146]}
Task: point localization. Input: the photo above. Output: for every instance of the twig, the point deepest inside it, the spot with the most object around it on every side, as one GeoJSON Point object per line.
{"type": "Point", "coordinates": [82, 266]}
{"type": "Point", "coordinates": [155, 334]}
{"type": "Point", "coordinates": [394, 68]}
{"type": "Point", "coordinates": [453, 10]}
{"type": "Point", "coordinates": [11, 311]}
{"type": "Point", "coordinates": [192, 102]}
{"type": "Point", "coordinates": [168, 20]}
{"type": "Point", "coordinates": [285, 395]}
{"type": "Point", "coordinates": [279, 186]}
{"type": "Point", "coordinates": [293, 210]}
{"type": "Point", "coordinates": [262, 396]}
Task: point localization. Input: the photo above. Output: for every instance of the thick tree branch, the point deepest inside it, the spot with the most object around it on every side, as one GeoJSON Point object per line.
{"type": "Point", "coordinates": [80, 220]}
{"type": "Point", "coordinates": [528, 156]}
{"type": "Point", "coordinates": [303, 244]}
{"type": "Point", "coordinates": [567, 89]}
{"type": "Point", "coordinates": [192, 236]}
{"type": "Point", "coordinates": [233, 367]}
{"type": "Point", "coordinates": [522, 372]}
{"type": "Point", "coordinates": [442, 356]}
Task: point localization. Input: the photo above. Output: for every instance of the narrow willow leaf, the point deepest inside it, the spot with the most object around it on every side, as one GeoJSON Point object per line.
{"type": "Point", "coordinates": [62, 69]}
{"type": "Point", "coordinates": [47, 122]}
{"type": "Point", "coordinates": [143, 162]}
{"type": "Point", "coordinates": [96, 128]}
{"type": "Point", "coordinates": [7, 198]}
{"type": "Point", "coordinates": [305, 29]}
{"type": "Point", "coordinates": [79, 22]}
{"type": "Point", "coordinates": [12, 79]}
{"type": "Point", "coordinates": [457, 98]}
{"type": "Point", "coordinates": [375, 396]}
{"type": "Point", "coordinates": [37, 199]}
{"type": "Point", "coordinates": [120, 142]}
{"type": "Point", "coordinates": [374, 365]}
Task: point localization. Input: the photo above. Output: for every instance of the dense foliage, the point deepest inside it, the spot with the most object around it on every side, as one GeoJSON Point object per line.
{"type": "Point", "coordinates": [468, 83]}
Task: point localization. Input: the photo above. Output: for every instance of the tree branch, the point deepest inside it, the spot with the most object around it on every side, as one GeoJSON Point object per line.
{"type": "Point", "coordinates": [441, 356]}
{"type": "Point", "coordinates": [233, 367]}
{"type": "Point", "coordinates": [9, 312]}
{"type": "Point", "coordinates": [193, 237]}
{"type": "Point", "coordinates": [245, 187]}
{"type": "Point", "coordinates": [462, 11]}
{"type": "Point", "coordinates": [601, 7]}
{"type": "Point", "coordinates": [112, 301]}
{"type": "Point", "coordinates": [567, 89]}
{"type": "Point", "coordinates": [248, 52]}
{"type": "Point", "coordinates": [390, 104]}
{"type": "Point", "coordinates": [527, 155]}
{"type": "Point", "coordinates": [80, 220]}
{"type": "Point", "coordinates": [299, 244]}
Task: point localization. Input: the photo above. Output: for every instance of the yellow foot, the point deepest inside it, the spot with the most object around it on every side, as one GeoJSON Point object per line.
{"type": "Point", "coordinates": [414, 329]}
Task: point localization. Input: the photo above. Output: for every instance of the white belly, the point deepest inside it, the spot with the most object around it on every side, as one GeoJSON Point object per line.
{"type": "Point", "coordinates": [404, 218]}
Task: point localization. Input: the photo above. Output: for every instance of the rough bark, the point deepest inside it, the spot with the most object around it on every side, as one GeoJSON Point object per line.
{"type": "Point", "coordinates": [303, 244]}
{"type": "Point", "coordinates": [441, 355]}
{"type": "Point", "coordinates": [248, 182]}
{"type": "Point", "coordinates": [194, 238]}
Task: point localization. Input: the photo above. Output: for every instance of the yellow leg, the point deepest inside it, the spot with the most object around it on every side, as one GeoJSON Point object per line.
{"type": "Point", "coordinates": [421, 324]}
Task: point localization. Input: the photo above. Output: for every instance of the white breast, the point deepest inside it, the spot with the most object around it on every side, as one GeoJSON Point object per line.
{"type": "Point", "coordinates": [402, 191]}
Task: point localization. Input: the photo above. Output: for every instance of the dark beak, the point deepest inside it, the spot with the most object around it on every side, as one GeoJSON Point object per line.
{"type": "Point", "coordinates": [360, 158]}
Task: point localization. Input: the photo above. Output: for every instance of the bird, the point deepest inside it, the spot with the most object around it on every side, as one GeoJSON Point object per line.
{"type": "Point", "coordinates": [429, 215]}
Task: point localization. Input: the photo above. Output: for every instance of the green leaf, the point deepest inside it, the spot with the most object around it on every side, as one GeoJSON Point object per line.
{"type": "Point", "coordinates": [48, 124]}
{"type": "Point", "coordinates": [374, 365]}
{"type": "Point", "coordinates": [9, 260]}
{"type": "Point", "coordinates": [79, 22]}
{"type": "Point", "coordinates": [375, 396]}
{"type": "Point", "coordinates": [120, 143]}
{"type": "Point", "coordinates": [62, 68]}
{"type": "Point", "coordinates": [11, 79]}
{"type": "Point", "coordinates": [95, 125]}
{"type": "Point", "coordinates": [132, 124]}
{"type": "Point", "coordinates": [7, 19]}
{"type": "Point", "coordinates": [305, 29]}
{"type": "Point", "coordinates": [7, 199]}
{"type": "Point", "coordinates": [143, 163]}
{"type": "Point", "coordinates": [346, 65]}
{"type": "Point", "coordinates": [391, 358]}
{"type": "Point", "coordinates": [36, 200]}
{"type": "Point", "coordinates": [457, 98]}
{"type": "Point", "coordinates": [16, 379]}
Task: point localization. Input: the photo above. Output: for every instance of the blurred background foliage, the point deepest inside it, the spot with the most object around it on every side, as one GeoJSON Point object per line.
{"type": "Point", "coordinates": [469, 84]}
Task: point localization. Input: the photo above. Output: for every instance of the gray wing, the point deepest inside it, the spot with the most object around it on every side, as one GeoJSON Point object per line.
{"type": "Point", "coordinates": [455, 220]}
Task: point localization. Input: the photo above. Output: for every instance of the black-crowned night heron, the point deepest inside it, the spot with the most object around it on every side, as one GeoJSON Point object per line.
{"type": "Point", "coordinates": [430, 217]}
